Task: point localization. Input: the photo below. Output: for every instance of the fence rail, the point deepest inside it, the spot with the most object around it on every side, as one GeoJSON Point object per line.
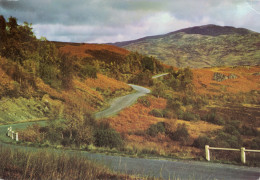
{"type": "Point", "coordinates": [242, 150]}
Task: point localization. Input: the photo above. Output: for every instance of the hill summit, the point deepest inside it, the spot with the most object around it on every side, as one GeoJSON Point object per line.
{"type": "Point", "coordinates": [214, 30]}
{"type": "Point", "coordinates": [201, 46]}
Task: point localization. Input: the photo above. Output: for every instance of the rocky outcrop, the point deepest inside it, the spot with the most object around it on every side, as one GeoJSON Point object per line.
{"type": "Point", "coordinates": [257, 74]}
{"type": "Point", "coordinates": [221, 77]}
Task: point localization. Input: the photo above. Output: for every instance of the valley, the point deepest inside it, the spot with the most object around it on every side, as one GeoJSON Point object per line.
{"type": "Point", "coordinates": [163, 97]}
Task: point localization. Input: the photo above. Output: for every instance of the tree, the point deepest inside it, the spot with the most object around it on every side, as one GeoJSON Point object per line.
{"type": "Point", "coordinates": [66, 67]}
{"type": "Point", "coordinates": [12, 25]}
{"type": "Point", "coordinates": [13, 48]}
{"type": "Point", "coordinates": [159, 89]}
{"type": "Point", "coordinates": [3, 33]}
{"type": "Point", "coordinates": [148, 64]}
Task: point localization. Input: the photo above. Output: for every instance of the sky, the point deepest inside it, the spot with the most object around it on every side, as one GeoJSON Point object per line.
{"type": "Point", "coordinates": [104, 21]}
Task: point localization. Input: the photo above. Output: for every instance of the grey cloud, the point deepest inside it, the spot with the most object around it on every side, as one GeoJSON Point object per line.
{"type": "Point", "coordinates": [112, 20]}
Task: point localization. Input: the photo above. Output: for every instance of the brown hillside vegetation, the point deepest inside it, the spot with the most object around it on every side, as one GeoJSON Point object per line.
{"type": "Point", "coordinates": [247, 80]}
{"type": "Point", "coordinates": [104, 82]}
{"type": "Point", "coordinates": [136, 117]}
{"type": "Point", "coordinates": [231, 100]}
{"type": "Point", "coordinates": [80, 50]}
{"type": "Point", "coordinates": [134, 121]}
{"type": "Point", "coordinates": [87, 95]}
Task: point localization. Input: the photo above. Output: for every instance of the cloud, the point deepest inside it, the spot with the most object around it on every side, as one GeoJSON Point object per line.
{"type": "Point", "coordinates": [114, 20]}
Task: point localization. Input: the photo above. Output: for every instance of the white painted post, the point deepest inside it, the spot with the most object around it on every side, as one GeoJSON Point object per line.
{"type": "Point", "coordinates": [207, 152]}
{"type": "Point", "coordinates": [8, 131]}
{"type": "Point", "coordinates": [243, 155]}
{"type": "Point", "coordinates": [12, 134]}
{"type": "Point", "coordinates": [16, 136]}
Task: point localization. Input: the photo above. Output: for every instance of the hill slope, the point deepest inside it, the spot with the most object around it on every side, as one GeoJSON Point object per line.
{"type": "Point", "coordinates": [201, 46]}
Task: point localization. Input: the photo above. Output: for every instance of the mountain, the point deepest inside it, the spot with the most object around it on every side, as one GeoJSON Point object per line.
{"type": "Point", "coordinates": [201, 46]}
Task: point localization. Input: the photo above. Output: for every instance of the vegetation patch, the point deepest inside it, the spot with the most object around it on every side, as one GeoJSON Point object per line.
{"type": "Point", "coordinates": [18, 164]}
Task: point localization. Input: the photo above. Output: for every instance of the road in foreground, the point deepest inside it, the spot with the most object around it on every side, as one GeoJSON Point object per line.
{"type": "Point", "coordinates": [165, 169]}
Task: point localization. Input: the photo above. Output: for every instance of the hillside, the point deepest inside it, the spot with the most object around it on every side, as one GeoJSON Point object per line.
{"type": "Point", "coordinates": [113, 61]}
{"type": "Point", "coordinates": [201, 46]}
{"type": "Point", "coordinates": [84, 50]}
{"type": "Point", "coordinates": [60, 80]}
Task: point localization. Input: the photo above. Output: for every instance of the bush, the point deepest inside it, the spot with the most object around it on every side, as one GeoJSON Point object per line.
{"type": "Point", "coordinates": [169, 114]}
{"type": "Point", "coordinates": [189, 116]}
{"type": "Point", "coordinates": [154, 129]}
{"type": "Point", "coordinates": [201, 141]}
{"type": "Point", "coordinates": [181, 133]}
{"type": "Point", "coordinates": [88, 71]}
{"type": "Point", "coordinates": [144, 101]}
{"type": "Point", "coordinates": [143, 79]}
{"type": "Point", "coordinates": [108, 138]}
{"type": "Point", "coordinates": [256, 143]}
{"type": "Point", "coordinates": [232, 130]}
{"type": "Point", "coordinates": [224, 139]}
{"type": "Point", "coordinates": [156, 113]}
{"type": "Point", "coordinates": [213, 118]}
{"type": "Point", "coordinates": [249, 131]}
{"type": "Point", "coordinates": [174, 104]}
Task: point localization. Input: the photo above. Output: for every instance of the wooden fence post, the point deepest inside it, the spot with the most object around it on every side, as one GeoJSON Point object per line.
{"type": "Point", "coordinates": [16, 136]}
{"type": "Point", "coordinates": [8, 133]}
{"type": "Point", "coordinates": [243, 155]}
{"type": "Point", "coordinates": [207, 152]}
{"type": "Point", "coordinates": [12, 134]}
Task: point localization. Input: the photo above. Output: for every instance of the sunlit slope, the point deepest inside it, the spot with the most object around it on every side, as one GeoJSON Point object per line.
{"type": "Point", "coordinates": [88, 50]}
{"type": "Point", "coordinates": [245, 79]}
{"type": "Point", "coordinates": [40, 100]}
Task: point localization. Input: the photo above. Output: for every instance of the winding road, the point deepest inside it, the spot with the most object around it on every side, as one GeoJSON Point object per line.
{"type": "Point", "coordinates": [122, 102]}
{"type": "Point", "coordinates": [161, 168]}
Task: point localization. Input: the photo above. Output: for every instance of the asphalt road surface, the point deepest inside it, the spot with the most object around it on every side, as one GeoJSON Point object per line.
{"type": "Point", "coordinates": [122, 102]}
{"type": "Point", "coordinates": [125, 101]}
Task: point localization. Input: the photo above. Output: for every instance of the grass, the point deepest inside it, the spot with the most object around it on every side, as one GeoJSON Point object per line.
{"type": "Point", "coordinates": [19, 164]}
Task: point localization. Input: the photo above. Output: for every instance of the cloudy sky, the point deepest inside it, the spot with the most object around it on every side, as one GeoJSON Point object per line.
{"type": "Point", "coordinates": [102, 21]}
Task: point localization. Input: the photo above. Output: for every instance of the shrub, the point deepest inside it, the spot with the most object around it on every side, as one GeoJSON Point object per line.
{"type": "Point", "coordinates": [144, 101]}
{"type": "Point", "coordinates": [143, 78]}
{"type": "Point", "coordinates": [213, 118]}
{"type": "Point", "coordinates": [224, 139]}
{"type": "Point", "coordinates": [201, 141]}
{"type": "Point", "coordinates": [108, 138]}
{"type": "Point", "coordinates": [181, 133]}
{"type": "Point", "coordinates": [154, 129]}
{"type": "Point", "coordinates": [174, 104]}
{"type": "Point", "coordinates": [256, 143]}
{"type": "Point", "coordinates": [232, 130]}
{"type": "Point", "coordinates": [156, 113]}
{"type": "Point", "coordinates": [169, 114]}
{"type": "Point", "coordinates": [88, 71]}
{"type": "Point", "coordinates": [189, 116]}
{"type": "Point", "coordinates": [249, 131]}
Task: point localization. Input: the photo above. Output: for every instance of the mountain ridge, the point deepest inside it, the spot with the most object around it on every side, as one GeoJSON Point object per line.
{"type": "Point", "coordinates": [201, 46]}
{"type": "Point", "coordinates": [189, 30]}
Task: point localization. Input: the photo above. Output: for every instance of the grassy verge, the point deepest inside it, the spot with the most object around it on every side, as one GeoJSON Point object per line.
{"type": "Point", "coordinates": [19, 164]}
